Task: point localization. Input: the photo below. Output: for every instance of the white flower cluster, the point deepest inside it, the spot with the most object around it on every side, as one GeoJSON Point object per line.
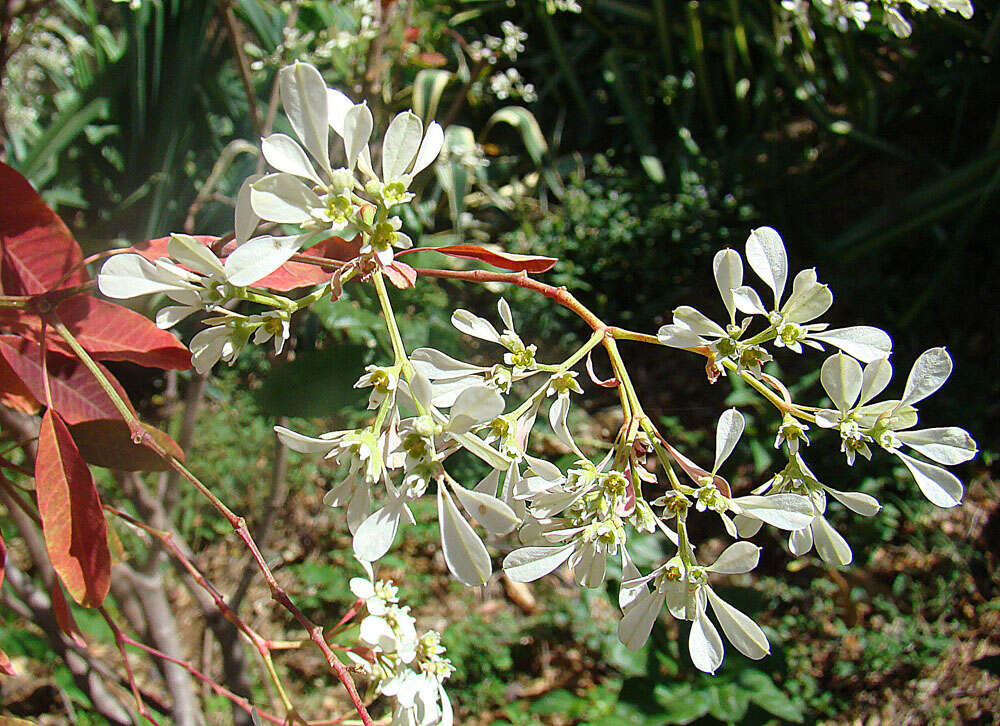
{"type": "Point", "coordinates": [509, 84]}
{"type": "Point", "coordinates": [409, 669]}
{"type": "Point", "coordinates": [841, 14]}
{"type": "Point", "coordinates": [491, 48]}
{"type": "Point", "coordinates": [331, 201]}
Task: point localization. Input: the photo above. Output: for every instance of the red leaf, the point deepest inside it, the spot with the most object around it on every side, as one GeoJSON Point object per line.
{"type": "Point", "coordinates": [76, 394]}
{"type": "Point", "coordinates": [113, 332]}
{"type": "Point", "coordinates": [109, 443]}
{"type": "Point", "coordinates": [400, 274]}
{"type": "Point", "coordinates": [13, 393]}
{"type": "Point", "coordinates": [696, 473]}
{"type": "Point", "coordinates": [609, 383]}
{"type": "Point", "coordinates": [37, 247]}
{"type": "Point", "coordinates": [76, 535]}
{"type": "Point", "coordinates": [64, 616]}
{"type": "Point", "coordinates": [505, 260]}
{"type": "Point", "coordinates": [108, 332]}
{"type": "Point", "coordinates": [5, 667]}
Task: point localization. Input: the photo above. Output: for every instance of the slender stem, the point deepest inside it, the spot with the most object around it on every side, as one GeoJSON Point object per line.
{"type": "Point", "coordinates": [398, 349]}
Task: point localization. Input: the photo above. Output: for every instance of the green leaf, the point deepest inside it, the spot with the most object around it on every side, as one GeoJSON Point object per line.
{"type": "Point", "coordinates": [682, 705]}
{"type": "Point", "coordinates": [317, 383]}
{"type": "Point", "coordinates": [769, 697]}
{"type": "Point", "coordinates": [729, 702]}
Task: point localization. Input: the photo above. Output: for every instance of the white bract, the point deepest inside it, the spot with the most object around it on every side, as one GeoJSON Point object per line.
{"type": "Point", "coordinates": [683, 587]}
{"type": "Point", "coordinates": [887, 423]}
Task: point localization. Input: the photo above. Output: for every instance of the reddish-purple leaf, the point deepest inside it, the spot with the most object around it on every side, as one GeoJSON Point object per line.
{"type": "Point", "coordinates": [112, 332]}
{"type": "Point", "coordinates": [400, 274]}
{"type": "Point", "coordinates": [76, 394]}
{"type": "Point", "coordinates": [37, 248]}
{"type": "Point", "coordinates": [64, 616]}
{"type": "Point", "coordinates": [609, 383]}
{"type": "Point", "coordinates": [73, 524]}
{"type": "Point", "coordinates": [5, 667]}
{"type": "Point", "coordinates": [109, 443]}
{"type": "Point", "coordinates": [696, 473]}
{"type": "Point", "coordinates": [13, 393]}
{"type": "Point", "coordinates": [497, 258]}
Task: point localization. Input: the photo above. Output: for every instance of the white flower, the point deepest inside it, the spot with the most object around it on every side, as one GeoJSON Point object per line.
{"type": "Point", "coordinates": [886, 423]}
{"type": "Point", "coordinates": [273, 324]}
{"type": "Point", "coordinates": [407, 149]}
{"type": "Point", "coordinates": [219, 342]}
{"type": "Point", "coordinates": [685, 591]}
{"type": "Point", "coordinates": [784, 511]}
{"type": "Point", "coordinates": [766, 255]}
{"type": "Point", "coordinates": [383, 382]}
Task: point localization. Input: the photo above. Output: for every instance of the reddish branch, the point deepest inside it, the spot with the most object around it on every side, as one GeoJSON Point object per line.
{"type": "Point", "coordinates": [559, 294]}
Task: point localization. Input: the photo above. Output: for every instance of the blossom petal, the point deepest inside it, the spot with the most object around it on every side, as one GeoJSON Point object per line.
{"type": "Point", "coordinates": [748, 301]}
{"type": "Point", "coordinates": [949, 445]}
{"type": "Point", "coordinates": [245, 220]}
{"type": "Point", "coordinates": [728, 268]}
{"type": "Point", "coordinates": [126, 276]}
{"type": "Point", "coordinates": [861, 341]}
{"type": "Point", "coordinates": [259, 257]}
{"type": "Point", "coordinates": [697, 321]}
{"type": "Point", "coordinates": [495, 516]}
{"type": "Point", "coordinates": [530, 563]}
{"type": "Point", "coordinates": [736, 559]}
{"type": "Point", "coordinates": [678, 336]}
{"type": "Point", "coordinates": [939, 485]}
{"type": "Point", "coordinates": [375, 535]}
{"type": "Point", "coordinates": [800, 541]}
{"type": "Point", "coordinates": [283, 198]}
{"type": "Point", "coordinates": [358, 125]}
{"type": "Point", "coordinates": [475, 326]}
{"type": "Point", "coordinates": [767, 257]}
{"type": "Point", "coordinates": [437, 366]}
{"type": "Point", "coordinates": [474, 406]}
{"type": "Point", "coordinates": [841, 377]}
{"type": "Point", "coordinates": [401, 143]}
{"type": "Point", "coordinates": [638, 620]}
{"type": "Point", "coordinates": [928, 374]}
{"type": "Point", "coordinates": [863, 504]}
{"type": "Point", "coordinates": [430, 147]}
{"type": "Point", "coordinates": [303, 96]}
{"type": "Point", "coordinates": [829, 543]}
{"type": "Point", "coordinates": [784, 511]}
{"type": "Point", "coordinates": [189, 252]}
{"type": "Point", "coordinates": [284, 154]}
{"type": "Point", "coordinates": [304, 444]}
{"type": "Point", "coordinates": [337, 106]}
{"type": "Point", "coordinates": [809, 298]}
{"type": "Point", "coordinates": [876, 377]}
{"type": "Point", "coordinates": [704, 644]}
{"type": "Point", "coordinates": [727, 435]}
{"type": "Point", "coordinates": [745, 635]}
{"type": "Point", "coordinates": [464, 552]}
